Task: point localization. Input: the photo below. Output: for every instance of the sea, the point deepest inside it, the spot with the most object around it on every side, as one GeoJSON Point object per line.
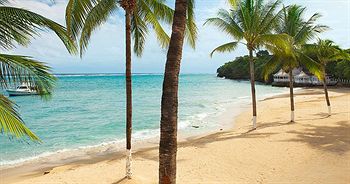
{"type": "Point", "coordinates": [86, 113]}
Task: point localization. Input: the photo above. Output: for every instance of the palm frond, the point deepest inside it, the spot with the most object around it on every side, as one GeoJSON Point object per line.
{"type": "Point", "coordinates": [139, 31]}
{"type": "Point", "coordinates": [18, 26]}
{"type": "Point", "coordinates": [225, 48]}
{"type": "Point", "coordinates": [226, 27]}
{"type": "Point", "coordinates": [268, 18]}
{"type": "Point", "coordinates": [309, 29]}
{"type": "Point", "coordinates": [275, 43]}
{"type": "Point", "coordinates": [95, 18]}
{"type": "Point", "coordinates": [233, 3]}
{"type": "Point", "coordinates": [191, 27]}
{"type": "Point", "coordinates": [160, 10]}
{"type": "Point", "coordinates": [146, 14]}
{"type": "Point", "coordinates": [325, 51]}
{"type": "Point", "coordinates": [271, 65]}
{"type": "Point", "coordinates": [11, 123]}
{"type": "Point", "coordinates": [76, 13]}
{"type": "Point", "coordinates": [311, 65]}
{"type": "Point", "coordinates": [16, 69]}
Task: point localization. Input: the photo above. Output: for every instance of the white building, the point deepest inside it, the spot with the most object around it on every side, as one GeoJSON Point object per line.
{"type": "Point", "coordinates": [301, 78]}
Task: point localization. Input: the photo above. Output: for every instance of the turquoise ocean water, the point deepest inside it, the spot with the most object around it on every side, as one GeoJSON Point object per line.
{"type": "Point", "coordinates": [88, 112]}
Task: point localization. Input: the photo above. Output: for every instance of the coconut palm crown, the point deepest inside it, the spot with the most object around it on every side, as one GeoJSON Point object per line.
{"type": "Point", "coordinates": [292, 23]}
{"type": "Point", "coordinates": [252, 24]}
{"type": "Point", "coordinates": [324, 52]}
{"type": "Point", "coordinates": [17, 27]}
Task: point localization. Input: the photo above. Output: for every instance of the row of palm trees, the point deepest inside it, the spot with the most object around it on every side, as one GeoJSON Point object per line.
{"type": "Point", "coordinates": [253, 23]}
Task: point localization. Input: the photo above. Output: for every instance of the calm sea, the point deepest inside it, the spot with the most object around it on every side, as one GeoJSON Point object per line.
{"type": "Point", "coordinates": [88, 111]}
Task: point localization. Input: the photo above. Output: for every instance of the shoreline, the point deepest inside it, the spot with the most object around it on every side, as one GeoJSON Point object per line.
{"type": "Point", "coordinates": [184, 142]}
{"type": "Point", "coordinates": [82, 153]}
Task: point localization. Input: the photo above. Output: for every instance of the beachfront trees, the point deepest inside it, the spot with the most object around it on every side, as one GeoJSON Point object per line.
{"type": "Point", "coordinates": [184, 10]}
{"type": "Point", "coordinates": [300, 31]}
{"type": "Point", "coordinates": [83, 17]}
{"type": "Point", "coordinates": [252, 21]}
{"type": "Point", "coordinates": [17, 26]}
{"type": "Point", "coordinates": [324, 52]}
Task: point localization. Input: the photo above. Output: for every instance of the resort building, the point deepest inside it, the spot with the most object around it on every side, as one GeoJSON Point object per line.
{"type": "Point", "coordinates": [281, 78]}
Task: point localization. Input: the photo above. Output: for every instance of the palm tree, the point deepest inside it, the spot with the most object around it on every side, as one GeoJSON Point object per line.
{"type": "Point", "coordinates": [84, 16]}
{"type": "Point", "coordinates": [17, 26]}
{"type": "Point", "coordinates": [324, 52]}
{"type": "Point", "coordinates": [253, 21]}
{"type": "Point", "coordinates": [184, 10]}
{"type": "Point", "coordinates": [300, 31]}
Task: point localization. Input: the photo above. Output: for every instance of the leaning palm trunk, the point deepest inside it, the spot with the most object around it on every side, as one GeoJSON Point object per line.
{"type": "Point", "coordinates": [291, 95]}
{"type": "Point", "coordinates": [128, 93]}
{"type": "Point", "coordinates": [252, 83]}
{"type": "Point", "coordinates": [169, 105]}
{"type": "Point", "coordinates": [326, 92]}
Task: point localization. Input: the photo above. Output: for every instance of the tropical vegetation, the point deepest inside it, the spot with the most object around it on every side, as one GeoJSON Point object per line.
{"type": "Point", "coordinates": [254, 22]}
{"type": "Point", "coordinates": [238, 69]}
{"type": "Point", "coordinates": [299, 31]}
{"type": "Point", "coordinates": [325, 52]}
{"type": "Point", "coordinates": [17, 27]}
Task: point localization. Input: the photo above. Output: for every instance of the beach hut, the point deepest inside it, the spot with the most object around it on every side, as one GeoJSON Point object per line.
{"type": "Point", "coordinates": [281, 76]}
{"type": "Point", "coordinates": [302, 78]}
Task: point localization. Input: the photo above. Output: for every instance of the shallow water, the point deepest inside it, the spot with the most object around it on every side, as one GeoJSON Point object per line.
{"type": "Point", "coordinates": [89, 110]}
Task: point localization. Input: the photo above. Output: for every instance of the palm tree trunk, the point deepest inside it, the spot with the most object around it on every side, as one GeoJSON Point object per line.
{"type": "Point", "coordinates": [252, 83]}
{"type": "Point", "coordinates": [169, 105]}
{"type": "Point", "coordinates": [291, 94]}
{"type": "Point", "coordinates": [326, 91]}
{"type": "Point", "coordinates": [128, 92]}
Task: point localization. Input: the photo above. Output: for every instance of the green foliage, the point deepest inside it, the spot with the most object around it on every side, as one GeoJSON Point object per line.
{"type": "Point", "coordinates": [83, 17]}
{"type": "Point", "coordinates": [251, 24]}
{"type": "Point", "coordinates": [326, 52]}
{"type": "Point", "coordinates": [238, 69]}
{"type": "Point", "coordinates": [17, 27]}
{"type": "Point", "coordinates": [300, 31]}
{"type": "Point", "coordinates": [341, 70]}
{"type": "Point", "coordinates": [10, 121]}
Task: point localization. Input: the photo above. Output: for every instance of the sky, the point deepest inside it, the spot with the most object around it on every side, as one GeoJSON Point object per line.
{"type": "Point", "coordinates": [105, 53]}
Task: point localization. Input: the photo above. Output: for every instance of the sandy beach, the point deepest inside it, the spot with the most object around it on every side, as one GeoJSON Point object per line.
{"type": "Point", "coordinates": [314, 149]}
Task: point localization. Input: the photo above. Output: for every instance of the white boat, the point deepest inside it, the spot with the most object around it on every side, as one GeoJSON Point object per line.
{"type": "Point", "coordinates": [22, 90]}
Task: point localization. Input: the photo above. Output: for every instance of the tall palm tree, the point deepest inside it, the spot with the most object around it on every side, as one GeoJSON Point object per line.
{"type": "Point", "coordinates": [252, 21]}
{"type": "Point", "coordinates": [324, 52]}
{"type": "Point", "coordinates": [300, 31]}
{"type": "Point", "coordinates": [84, 16]}
{"type": "Point", "coordinates": [184, 10]}
{"type": "Point", "coordinates": [17, 26]}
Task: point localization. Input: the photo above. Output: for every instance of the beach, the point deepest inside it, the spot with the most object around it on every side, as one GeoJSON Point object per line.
{"type": "Point", "coordinates": [314, 149]}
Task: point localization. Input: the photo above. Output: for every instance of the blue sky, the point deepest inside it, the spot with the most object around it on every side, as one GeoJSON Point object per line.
{"type": "Point", "coordinates": [106, 51]}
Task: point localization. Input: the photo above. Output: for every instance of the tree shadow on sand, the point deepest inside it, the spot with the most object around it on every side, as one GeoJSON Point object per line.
{"type": "Point", "coordinates": [326, 138]}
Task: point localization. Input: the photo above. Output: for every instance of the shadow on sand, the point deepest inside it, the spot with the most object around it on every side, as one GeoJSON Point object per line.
{"type": "Point", "coordinates": [326, 138]}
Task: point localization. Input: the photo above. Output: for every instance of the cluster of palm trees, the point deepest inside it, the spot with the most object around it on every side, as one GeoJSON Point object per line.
{"type": "Point", "coordinates": [253, 23]}
{"type": "Point", "coordinates": [284, 33]}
